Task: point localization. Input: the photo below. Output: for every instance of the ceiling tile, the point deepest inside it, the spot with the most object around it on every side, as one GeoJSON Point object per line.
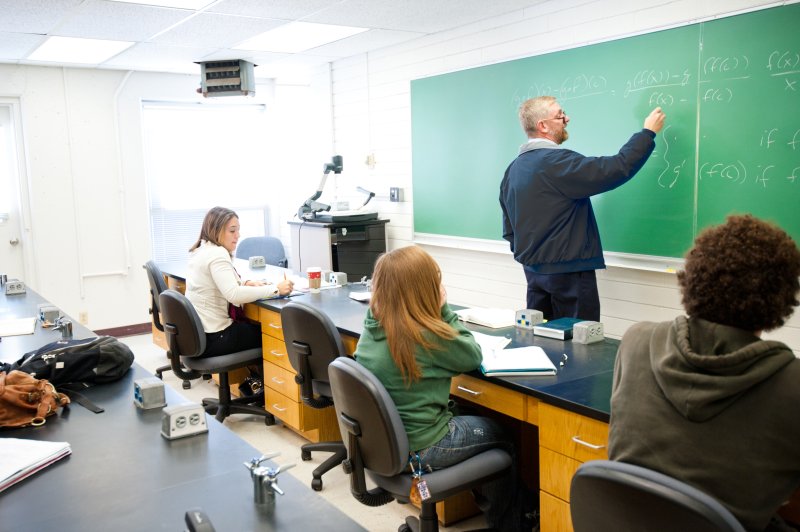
{"type": "Point", "coordinates": [33, 16]}
{"type": "Point", "coordinates": [119, 21]}
{"type": "Point", "coordinates": [160, 58]}
{"type": "Point", "coordinates": [219, 31]}
{"type": "Point", "coordinates": [16, 45]}
{"type": "Point", "coordinates": [279, 9]}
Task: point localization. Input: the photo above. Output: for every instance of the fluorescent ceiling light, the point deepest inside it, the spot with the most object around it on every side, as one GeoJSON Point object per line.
{"type": "Point", "coordinates": [182, 4]}
{"type": "Point", "coordinates": [76, 50]}
{"type": "Point", "coordinates": [298, 37]}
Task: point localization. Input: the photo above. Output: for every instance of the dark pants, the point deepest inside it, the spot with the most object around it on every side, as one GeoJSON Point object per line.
{"type": "Point", "coordinates": [239, 336]}
{"type": "Point", "coordinates": [564, 295]}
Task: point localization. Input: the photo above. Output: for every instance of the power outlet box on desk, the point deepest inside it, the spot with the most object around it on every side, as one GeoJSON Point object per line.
{"type": "Point", "coordinates": [14, 286]}
{"type": "Point", "coordinates": [587, 332]}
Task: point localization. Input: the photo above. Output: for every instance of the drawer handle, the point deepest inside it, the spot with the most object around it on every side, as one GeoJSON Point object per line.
{"type": "Point", "coordinates": [587, 444]}
{"type": "Point", "coordinates": [472, 392]}
{"type": "Point", "coordinates": [274, 326]}
{"type": "Point", "coordinates": [279, 409]}
{"type": "Point", "coordinates": [276, 380]}
{"type": "Point", "coordinates": [276, 353]}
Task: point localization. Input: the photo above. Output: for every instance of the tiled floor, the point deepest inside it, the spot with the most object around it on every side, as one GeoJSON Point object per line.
{"type": "Point", "coordinates": [336, 487]}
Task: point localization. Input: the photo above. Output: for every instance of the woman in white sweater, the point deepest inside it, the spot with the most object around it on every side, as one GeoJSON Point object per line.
{"type": "Point", "coordinates": [212, 284]}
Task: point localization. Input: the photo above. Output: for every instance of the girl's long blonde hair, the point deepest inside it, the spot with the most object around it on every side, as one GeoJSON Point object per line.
{"type": "Point", "coordinates": [213, 225]}
{"type": "Point", "coordinates": [406, 299]}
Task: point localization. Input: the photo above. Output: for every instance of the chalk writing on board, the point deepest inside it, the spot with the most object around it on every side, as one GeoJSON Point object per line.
{"type": "Point", "coordinates": [649, 79]}
{"type": "Point", "coordinates": [721, 95]}
{"type": "Point", "coordinates": [783, 62]}
{"type": "Point", "coordinates": [771, 138]}
{"type": "Point", "coordinates": [734, 172]}
{"type": "Point", "coordinates": [570, 88]}
{"type": "Point", "coordinates": [670, 174]}
{"type": "Point", "coordinates": [725, 65]}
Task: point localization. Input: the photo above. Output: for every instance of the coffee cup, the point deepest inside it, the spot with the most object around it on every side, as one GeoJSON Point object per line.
{"type": "Point", "coordinates": [314, 279]}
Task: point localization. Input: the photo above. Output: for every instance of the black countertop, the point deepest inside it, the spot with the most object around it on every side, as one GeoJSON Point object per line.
{"type": "Point", "coordinates": [582, 385]}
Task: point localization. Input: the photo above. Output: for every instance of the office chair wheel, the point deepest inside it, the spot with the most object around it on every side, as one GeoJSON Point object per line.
{"type": "Point", "coordinates": [158, 374]}
{"type": "Point", "coordinates": [404, 528]}
{"type": "Point", "coordinates": [316, 484]}
{"type": "Point", "coordinates": [305, 455]}
{"type": "Point", "coordinates": [347, 466]}
{"type": "Point", "coordinates": [186, 384]}
{"type": "Point", "coordinates": [269, 420]}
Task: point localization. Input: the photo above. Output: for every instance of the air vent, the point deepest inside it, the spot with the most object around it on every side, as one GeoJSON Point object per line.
{"type": "Point", "coordinates": [227, 78]}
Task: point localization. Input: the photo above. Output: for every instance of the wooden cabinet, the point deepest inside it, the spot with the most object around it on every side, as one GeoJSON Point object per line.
{"type": "Point", "coordinates": [489, 395]}
{"type": "Point", "coordinates": [566, 440]}
{"type": "Point", "coordinates": [282, 393]}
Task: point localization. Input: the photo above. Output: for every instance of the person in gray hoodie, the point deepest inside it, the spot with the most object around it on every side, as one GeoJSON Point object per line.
{"type": "Point", "coordinates": [703, 398]}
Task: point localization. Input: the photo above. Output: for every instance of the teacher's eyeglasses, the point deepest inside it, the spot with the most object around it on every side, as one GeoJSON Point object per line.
{"type": "Point", "coordinates": [560, 116]}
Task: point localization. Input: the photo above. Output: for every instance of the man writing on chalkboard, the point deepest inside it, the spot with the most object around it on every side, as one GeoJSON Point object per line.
{"type": "Point", "coordinates": [547, 214]}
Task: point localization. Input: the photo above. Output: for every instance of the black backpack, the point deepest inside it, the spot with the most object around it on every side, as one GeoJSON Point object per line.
{"type": "Point", "coordinates": [72, 365]}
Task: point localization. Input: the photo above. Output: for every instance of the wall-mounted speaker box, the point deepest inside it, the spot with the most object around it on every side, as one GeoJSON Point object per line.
{"type": "Point", "coordinates": [227, 78]}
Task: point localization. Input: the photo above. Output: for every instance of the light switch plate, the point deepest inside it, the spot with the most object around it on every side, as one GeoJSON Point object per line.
{"type": "Point", "coordinates": [14, 286]}
{"type": "Point", "coordinates": [181, 421]}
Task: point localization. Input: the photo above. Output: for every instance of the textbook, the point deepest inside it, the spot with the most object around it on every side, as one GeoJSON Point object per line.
{"type": "Point", "coordinates": [530, 360]}
{"type": "Point", "coordinates": [494, 318]}
{"type": "Point", "coordinates": [22, 458]}
{"type": "Point", "coordinates": [560, 328]}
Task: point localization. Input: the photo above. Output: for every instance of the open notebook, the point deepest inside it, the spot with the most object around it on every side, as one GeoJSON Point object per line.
{"type": "Point", "coordinates": [488, 317]}
{"type": "Point", "coordinates": [530, 360]}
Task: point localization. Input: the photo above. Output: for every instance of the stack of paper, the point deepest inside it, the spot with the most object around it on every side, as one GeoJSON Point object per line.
{"type": "Point", "coordinates": [23, 458]}
{"type": "Point", "coordinates": [490, 343]}
{"type": "Point", "coordinates": [19, 326]}
{"type": "Point", "coordinates": [488, 317]}
{"type": "Point", "coordinates": [531, 360]}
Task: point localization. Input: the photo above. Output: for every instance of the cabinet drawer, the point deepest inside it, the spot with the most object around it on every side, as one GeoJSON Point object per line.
{"type": "Point", "coordinates": [489, 395]}
{"type": "Point", "coordinates": [571, 434]}
{"type": "Point", "coordinates": [271, 323]}
{"type": "Point", "coordinates": [554, 514]}
{"type": "Point", "coordinates": [281, 380]}
{"type": "Point", "coordinates": [275, 352]}
{"type": "Point", "coordinates": [556, 472]}
{"type": "Point", "coordinates": [282, 407]}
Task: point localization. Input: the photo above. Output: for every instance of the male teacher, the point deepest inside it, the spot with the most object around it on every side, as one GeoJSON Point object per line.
{"type": "Point", "coordinates": [547, 213]}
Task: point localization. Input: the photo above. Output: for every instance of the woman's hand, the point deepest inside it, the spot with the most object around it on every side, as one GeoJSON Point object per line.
{"type": "Point", "coordinates": [285, 287]}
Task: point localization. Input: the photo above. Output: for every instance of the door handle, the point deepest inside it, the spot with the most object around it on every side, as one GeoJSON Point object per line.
{"type": "Point", "coordinates": [14, 241]}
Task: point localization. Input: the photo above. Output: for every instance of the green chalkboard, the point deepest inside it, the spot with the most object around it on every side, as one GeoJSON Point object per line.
{"type": "Point", "coordinates": [731, 91]}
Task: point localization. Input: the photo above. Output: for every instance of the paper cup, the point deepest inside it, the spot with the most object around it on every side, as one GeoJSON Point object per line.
{"type": "Point", "coordinates": [314, 278]}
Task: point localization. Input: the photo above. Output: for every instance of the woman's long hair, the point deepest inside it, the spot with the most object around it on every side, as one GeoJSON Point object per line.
{"type": "Point", "coordinates": [213, 225]}
{"type": "Point", "coordinates": [406, 299]}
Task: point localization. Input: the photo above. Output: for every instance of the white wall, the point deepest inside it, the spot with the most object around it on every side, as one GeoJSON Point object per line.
{"type": "Point", "coordinates": [371, 96]}
{"type": "Point", "coordinates": [89, 223]}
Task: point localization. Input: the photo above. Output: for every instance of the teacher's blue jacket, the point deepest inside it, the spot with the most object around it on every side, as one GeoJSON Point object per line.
{"type": "Point", "coordinates": [547, 214]}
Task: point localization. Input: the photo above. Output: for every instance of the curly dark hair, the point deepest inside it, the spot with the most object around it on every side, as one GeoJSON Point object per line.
{"type": "Point", "coordinates": [743, 273]}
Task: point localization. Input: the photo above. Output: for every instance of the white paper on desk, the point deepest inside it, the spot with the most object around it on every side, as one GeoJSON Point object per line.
{"type": "Point", "coordinates": [22, 458]}
{"type": "Point", "coordinates": [530, 360]}
{"type": "Point", "coordinates": [490, 343]}
{"type": "Point", "coordinates": [18, 326]}
{"type": "Point", "coordinates": [488, 317]}
{"type": "Point", "coordinates": [360, 296]}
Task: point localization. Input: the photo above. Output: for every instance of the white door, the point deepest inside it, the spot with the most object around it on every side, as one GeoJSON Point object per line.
{"type": "Point", "coordinates": [12, 239]}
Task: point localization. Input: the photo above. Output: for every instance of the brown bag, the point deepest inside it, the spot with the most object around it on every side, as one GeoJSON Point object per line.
{"type": "Point", "coordinates": [26, 400]}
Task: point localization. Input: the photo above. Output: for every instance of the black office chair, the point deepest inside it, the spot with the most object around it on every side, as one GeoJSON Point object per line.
{"type": "Point", "coordinates": [187, 341]}
{"type": "Point", "coordinates": [377, 444]}
{"type": "Point", "coordinates": [268, 247]}
{"type": "Point", "coordinates": [157, 285]}
{"type": "Point", "coordinates": [608, 496]}
{"type": "Point", "coordinates": [312, 343]}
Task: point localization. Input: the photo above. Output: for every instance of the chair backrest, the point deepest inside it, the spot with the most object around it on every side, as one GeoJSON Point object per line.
{"type": "Point", "coordinates": [312, 342]}
{"type": "Point", "coordinates": [269, 247]}
{"type": "Point", "coordinates": [612, 496]}
{"type": "Point", "coordinates": [157, 285]}
{"type": "Point", "coordinates": [182, 326]}
{"type": "Point", "coordinates": [368, 418]}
